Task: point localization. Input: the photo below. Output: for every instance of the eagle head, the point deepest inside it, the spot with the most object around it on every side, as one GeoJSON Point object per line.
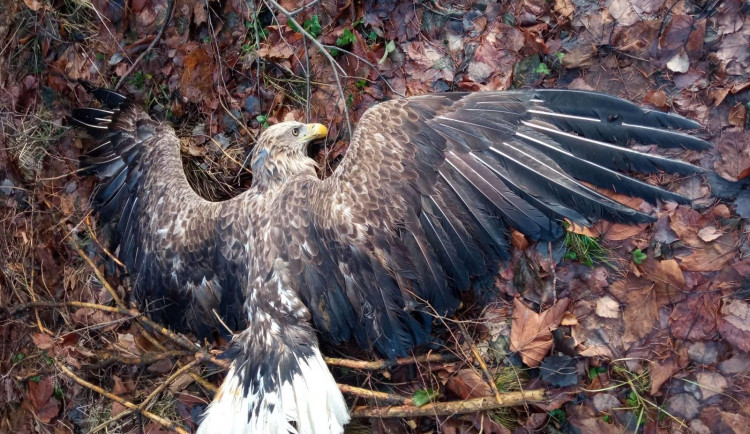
{"type": "Point", "coordinates": [282, 151]}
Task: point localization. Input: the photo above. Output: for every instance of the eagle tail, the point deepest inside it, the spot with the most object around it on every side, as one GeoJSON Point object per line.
{"type": "Point", "coordinates": [276, 389]}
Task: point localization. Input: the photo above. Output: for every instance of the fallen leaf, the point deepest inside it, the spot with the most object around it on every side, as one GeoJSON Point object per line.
{"type": "Point", "coordinates": [709, 233]}
{"type": "Point", "coordinates": [42, 341]}
{"type": "Point", "coordinates": [44, 404]}
{"type": "Point", "coordinates": [734, 324]}
{"type": "Point", "coordinates": [607, 307]}
{"type": "Point", "coordinates": [737, 422]}
{"type": "Point", "coordinates": [661, 371]}
{"type": "Point", "coordinates": [531, 332]}
{"type": "Point", "coordinates": [711, 384]}
{"type": "Point", "coordinates": [640, 310]}
{"type": "Point", "coordinates": [695, 317]}
{"type": "Point", "coordinates": [467, 383]}
{"type": "Point", "coordinates": [683, 405]}
{"type": "Point", "coordinates": [734, 149]}
{"type": "Point", "coordinates": [737, 115]}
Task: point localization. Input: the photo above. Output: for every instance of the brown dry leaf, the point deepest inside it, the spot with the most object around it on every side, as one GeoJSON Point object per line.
{"type": "Point", "coordinates": [712, 256]}
{"type": "Point", "coordinates": [709, 233]}
{"type": "Point", "coordinates": [43, 341]}
{"type": "Point", "coordinates": [711, 383]}
{"type": "Point", "coordinates": [531, 332]}
{"type": "Point", "coordinates": [196, 82]}
{"type": "Point", "coordinates": [737, 115]}
{"type": "Point", "coordinates": [737, 422]}
{"type": "Point", "coordinates": [661, 371]}
{"type": "Point", "coordinates": [695, 318]}
{"type": "Point", "coordinates": [641, 311]}
{"type": "Point", "coordinates": [467, 383]}
{"type": "Point", "coordinates": [657, 98]}
{"type": "Point", "coordinates": [74, 63]}
{"type": "Point", "coordinates": [518, 240]}
{"type": "Point", "coordinates": [607, 307]}
{"type": "Point", "coordinates": [667, 271]}
{"type": "Point", "coordinates": [619, 231]}
{"type": "Point", "coordinates": [565, 8]}
{"type": "Point", "coordinates": [734, 148]}
{"type": "Point", "coordinates": [734, 324]}
{"type": "Point", "coordinates": [582, 230]}
{"type": "Point", "coordinates": [44, 404]}
{"type": "Point", "coordinates": [34, 5]}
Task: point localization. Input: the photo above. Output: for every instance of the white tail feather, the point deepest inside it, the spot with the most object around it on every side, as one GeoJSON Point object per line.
{"type": "Point", "coordinates": [310, 403]}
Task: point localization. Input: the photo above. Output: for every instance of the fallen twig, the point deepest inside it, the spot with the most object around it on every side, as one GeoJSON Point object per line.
{"type": "Point", "coordinates": [508, 399]}
{"type": "Point", "coordinates": [374, 394]}
{"type": "Point", "coordinates": [376, 365]}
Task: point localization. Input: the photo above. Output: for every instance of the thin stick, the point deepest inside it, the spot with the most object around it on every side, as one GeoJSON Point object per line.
{"type": "Point", "coordinates": [508, 399]}
{"type": "Point", "coordinates": [374, 394]}
{"type": "Point", "coordinates": [158, 419]}
{"type": "Point", "coordinates": [377, 365]}
{"type": "Point", "coordinates": [153, 43]}
{"type": "Point", "coordinates": [478, 357]}
{"type": "Point", "coordinates": [98, 273]}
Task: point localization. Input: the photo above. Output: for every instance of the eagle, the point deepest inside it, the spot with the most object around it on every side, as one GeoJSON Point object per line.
{"type": "Point", "coordinates": [418, 211]}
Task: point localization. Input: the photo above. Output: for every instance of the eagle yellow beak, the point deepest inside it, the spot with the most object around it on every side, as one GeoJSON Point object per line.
{"type": "Point", "coordinates": [315, 131]}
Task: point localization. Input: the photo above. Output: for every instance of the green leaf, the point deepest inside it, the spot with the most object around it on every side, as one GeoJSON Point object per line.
{"type": "Point", "coordinates": [36, 378]}
{"type": "Point", "coordinates": [263, 120]}
{"type": "Point", "coordinates": [346, 38]}
{"type": "Point", "coordinates": [372, 36]}
{"type": "Point", "coordinates": [361, 83]}
{"type": "Point", "coordinates": [423, 396]}
{"type": "Point", "coordinates": [361, 20]}
{"type": "Point", "coordinates": [311, 26]}
{"type": "Point", "coordinates": [559, 415]}
{"type": "Point", "coordinates": [559, 55]}
{"type": "Point", "coordinates": [15, 358]}
{"type": "Point", "coordinates": [638, 256]}
{"type": "Point", "coordinates": [543, 69]}
{"type": "Point", "coordinates": [595, 371]}
{"type": "Point", "coordinates": [389, 47]}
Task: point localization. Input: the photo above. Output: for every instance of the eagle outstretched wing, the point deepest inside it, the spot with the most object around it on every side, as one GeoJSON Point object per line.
{"type": "Point", "coordinates": [420, 207]}
{"type": "Point", "coordinates": [180, 249]}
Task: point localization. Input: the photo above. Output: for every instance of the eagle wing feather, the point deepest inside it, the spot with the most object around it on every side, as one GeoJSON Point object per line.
{"type": "Point", "coordinates": [174, 244]}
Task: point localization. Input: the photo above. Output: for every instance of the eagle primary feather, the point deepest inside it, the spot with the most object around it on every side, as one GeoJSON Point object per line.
{"type": "Point", "coordinates": [417, 212]}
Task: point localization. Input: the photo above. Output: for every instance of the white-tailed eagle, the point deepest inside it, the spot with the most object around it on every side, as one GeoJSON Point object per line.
{"type": "Point", "coordinates": [418, 211]}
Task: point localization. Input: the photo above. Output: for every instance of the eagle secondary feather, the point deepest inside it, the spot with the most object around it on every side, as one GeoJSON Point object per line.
{"type": "Point", "coordinates": [417, 212]}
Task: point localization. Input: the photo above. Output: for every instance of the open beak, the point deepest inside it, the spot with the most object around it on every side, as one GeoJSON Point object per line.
{"type": "Point", "coordinates": [314, 132]}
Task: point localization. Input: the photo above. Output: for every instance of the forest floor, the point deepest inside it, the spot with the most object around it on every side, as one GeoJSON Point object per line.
{"type": "Point", "coordinates": [622, 328]}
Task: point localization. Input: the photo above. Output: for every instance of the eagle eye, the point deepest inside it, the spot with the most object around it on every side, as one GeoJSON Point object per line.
{"type": "Point", "coordinates": [295, 132]}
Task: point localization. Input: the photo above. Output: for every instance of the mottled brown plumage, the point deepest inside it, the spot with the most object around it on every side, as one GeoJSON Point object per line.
{"type": "Point", "coordinates": [417, 212]}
